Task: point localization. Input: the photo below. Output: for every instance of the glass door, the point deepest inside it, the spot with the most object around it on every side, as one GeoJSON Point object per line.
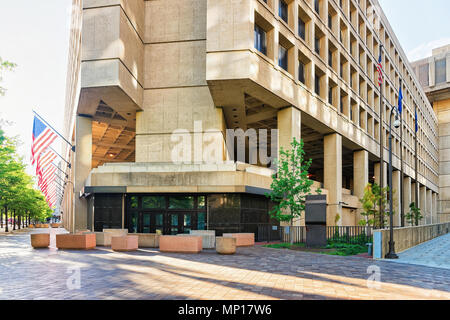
{"type": "Point", "coordinates": [146, 222]}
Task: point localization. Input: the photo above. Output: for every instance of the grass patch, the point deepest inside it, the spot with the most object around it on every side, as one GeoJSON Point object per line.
{"type": "Point", "coordinates": [333, 248]}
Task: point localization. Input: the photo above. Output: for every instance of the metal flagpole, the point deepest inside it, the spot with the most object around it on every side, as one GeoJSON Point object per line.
{"type": "Point", "coordinates": [62, 137]}
{"type": "Point", "coordinates": [68, 163]}
{"type": "Point", "coordinates": [66, 175]}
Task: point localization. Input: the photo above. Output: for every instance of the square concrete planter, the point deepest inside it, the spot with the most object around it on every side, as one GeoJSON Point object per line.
{"type": "Point", "coordinates": [45, 226]}
{"type": "Point", "coordinates": [104, 238]}
{"type": "Point", "coordinates": [55, 225]}
{"type": "Point", "coordinates": [225, 245]}
{"type": "Point", "coordinates": [40, 240]}
{"type": "Point", "coordinates": [124, 243]}
{"type": "Point", "coordinates": [148, 240]}
{"type": "Point", "coordinates": [242, 239]}
{"type": "Point", "coordinates": [31, 226]}
{"type": "Point", "coordinates": [208, 237]}
{"type": "Point", "coordinates": [76, 241]}
{"type": "Point", "coordinates": [184, 244]}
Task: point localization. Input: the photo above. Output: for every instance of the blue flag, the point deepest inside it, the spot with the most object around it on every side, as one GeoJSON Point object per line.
{"type": "Point", "coordinates": [400, 100]}
{"type": "Point", "coordinates": [417, 126]}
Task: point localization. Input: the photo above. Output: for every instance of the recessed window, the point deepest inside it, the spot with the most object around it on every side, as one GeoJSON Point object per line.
{"type": "Point", "coordinates": [301, 29]}
{"type": "Point", "coordinates": [330, 22]}
{"type": "Point", "coordinates": [441, 66]}
{"type": "Point", "coordinates": [283, 10]}
{"type": "Point", "coordinates": [317, 84]}
{"type": "Point", "coordinates": [317, 45]}
{"type": "Point", "coordinates": [330, 95]}
{"type": "Point", "coordinates": [301, 72]}
{"type": "Point", "coordinates": [330, 58]}
{"type": "Point", "coordinates": [317, 6]}
{"type": "Point", "coordinates": [283, 57]}
{"type": "Point", "coordinates": [260, 40]}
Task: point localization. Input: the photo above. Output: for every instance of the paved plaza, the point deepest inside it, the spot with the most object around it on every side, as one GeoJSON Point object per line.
{"type": "Point", "coordinates": [434, 253]}
{"type": "Point", "coordinates": [253, 273]}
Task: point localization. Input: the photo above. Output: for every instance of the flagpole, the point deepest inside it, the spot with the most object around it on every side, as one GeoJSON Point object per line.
{"type": "Point", "coordinates": [60, 157]}
{"type": "Point", "coordinates": [381, 143]}
{"type": "Point", "coordinates": [62, 137]}
{"type": "Point", "coordinates": [402, 173]}
{"type": "Point", "coordinates": [66, 175]}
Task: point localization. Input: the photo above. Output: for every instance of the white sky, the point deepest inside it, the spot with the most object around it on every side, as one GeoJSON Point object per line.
{"type": "Point", "coordinates": [35, 35]}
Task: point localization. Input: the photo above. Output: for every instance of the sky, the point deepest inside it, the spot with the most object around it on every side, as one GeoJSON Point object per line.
{"type": "Point", "coordinates": [35, 35]}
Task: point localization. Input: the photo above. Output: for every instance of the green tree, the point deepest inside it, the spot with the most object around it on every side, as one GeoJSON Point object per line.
{"type": "Point", "coordinates": [5, 66]}
{"type": "Point", "coordinates": [414, 216]}
{"type": "Point", "coordinates": [370, 205]}
{"type": "Point", "coordinates": [290, 185]}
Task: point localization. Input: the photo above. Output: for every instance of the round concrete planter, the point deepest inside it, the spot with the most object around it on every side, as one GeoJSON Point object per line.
{"type": "Point", "coordinates": [40, 240]}
{"type": "Point", "coordinates": [225, 245]}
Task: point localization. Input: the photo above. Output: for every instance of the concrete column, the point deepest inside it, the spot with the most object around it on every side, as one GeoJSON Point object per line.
{"type": "Point", "coordinates": [423, 203]}
{"type": "Point", "coordinates": [360, 176]}
{"type": "Point", "coordinates": [407, 199]}
{"type": "Point", "coordinates": [377, 174]}
{"type": "Point", "coordinates": [435, 211]}
{"type": "Point", "coordinates": [333, 177]}
{"type": "Point", "coordinates": [396, 197]}
{"type": "Point", "coordinates": [289, 127]}
{"type": "Point", "coordinates": [82, 168]}
{"type": "Point", "coordinates": [429, 219]}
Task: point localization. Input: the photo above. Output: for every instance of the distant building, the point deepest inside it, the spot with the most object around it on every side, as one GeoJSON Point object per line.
{"type": "Point", "coordinates": [434, 76]}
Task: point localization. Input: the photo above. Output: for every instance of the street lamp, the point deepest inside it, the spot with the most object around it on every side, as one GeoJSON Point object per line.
{"type": "Point", "coordinates": [391, 254]}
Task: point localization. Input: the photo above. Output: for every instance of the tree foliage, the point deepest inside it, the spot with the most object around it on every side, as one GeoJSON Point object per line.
{"type": "Point", "coordinates": [5, 66]}
{"type": "Point", "coordinates": [370, 205]}
{"type": "Point", "coordinates": [16, 186]}
{"type": "Point", "coordinates": [290, 185]}
{"type": "Point", "coordinates": [414, 216]}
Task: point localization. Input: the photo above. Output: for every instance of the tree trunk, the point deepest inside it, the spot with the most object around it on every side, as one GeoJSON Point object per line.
{"type": "Point", "coordinates": [19, 221]}
{"type": "Point", "coordinates": [291, 232]}
{"type": "Point", "coordinates": [6, 219]}
{"type": "Point", "coordinates": [1, 218]}
{"type": "Point", "coordinates": [14, 220]}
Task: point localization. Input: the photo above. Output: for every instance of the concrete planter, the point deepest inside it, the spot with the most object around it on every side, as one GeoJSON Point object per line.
{"type": "Point", "coordinates": [104, 238]}
{"type": "Point", "coordinates": [225, 245]}
{"type": "Point", "coordinates": [31, 226]}
{"type": "Point", "coordinates": [242, 239]}
{"type": "Point", "coordinates": [40, 240]}
{"type": "Point", "coordinates": [76, 241]}
{"type": "Point", "coordinates": [148, 240]}
{"type": "Point", "coordinates": [124, 243]}
{"type": "Point", "coordinates": [185, 244]}
{"type": "Point", "coordinates": [55, 225]}
{"type": "Point", "coordinates": [208, 238]}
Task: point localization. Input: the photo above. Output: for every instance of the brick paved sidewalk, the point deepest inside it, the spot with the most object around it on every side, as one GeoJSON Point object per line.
{"type": "Point", "coordinates": [253, 273]}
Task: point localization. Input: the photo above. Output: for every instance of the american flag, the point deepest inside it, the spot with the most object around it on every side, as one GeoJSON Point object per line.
{"type": "Point", "coordinates": [380, 71]}
{"type": "Point", "coordinates": [44, 160]}
{"type": "Point", "coordinates": [43, 137]}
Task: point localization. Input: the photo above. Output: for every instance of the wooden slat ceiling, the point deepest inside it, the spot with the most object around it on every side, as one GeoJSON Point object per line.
{"type": "Point", "coordinates": [113, 136]}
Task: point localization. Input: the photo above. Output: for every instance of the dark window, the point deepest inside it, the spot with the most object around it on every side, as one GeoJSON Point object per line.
{"type": "Point", "coordinates": [283, 57]}
{"type": "Point", "coordinates": [330, 96]}
{"type": "Point", "coordinates": [342, 71]}
{"type": "Point", "coordinates": [317, 84]}
{"type": "Point", "coordinates": [301, 29]}
{"type": "Point", "coordinates": [441, 66]}
{"type": "Point", "coordinates": [341, 105]}
{"type": "Point", "coordinates": [330, 58]}
{"type": "Point", "coordinates": [317, 6]}
{"type": "Point", "coordinates": [424, 75]}
{"type": "Point", "coordinates": [181, 202]}
{"type": "Point", "coordinates": [330, 22]}
{"type": "Point", "coordinates": [301, 72]}
{"type": "Point", "coordinates": [317, 45]}
{"type": "Point", "coordinates": [260, 39]}
{"type": "Point", "coordinates": [153, 202]}
{"type": "Point", "coordinates": [107, 212]}
{"type": "Point", "coordinates": [283, 10]}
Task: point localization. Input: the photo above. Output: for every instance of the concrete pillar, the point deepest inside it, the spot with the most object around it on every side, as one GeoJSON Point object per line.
{"type": "Point", "coordinates": [289, 127]}
{"type": "Point", "coordinates": [377, 174]}
{"type": "Point", "coordinates": [360, 177]}
{"type": "Point", "coordinates": [435, 211]}
{"type": "Point", "coordinates": [407, 199]}
{"type": "Point", "coordinates": [396, 197]}
{"type": "Point", "coordinates": [429, 219]}
{"type": "Point", "coordinates": [82, 168]}
{"type": "Point", "coordinates": [333, 177]}
{"type": "Point", "coordinates": [423, 203]}
{"type": "Point", "coordinates": [413, 194]}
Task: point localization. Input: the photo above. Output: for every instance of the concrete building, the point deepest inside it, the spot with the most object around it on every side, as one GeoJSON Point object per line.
{"type": "Point", "coordinates": [150, 81]}
{"type": "Point", "coordinates": [434, 76]}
